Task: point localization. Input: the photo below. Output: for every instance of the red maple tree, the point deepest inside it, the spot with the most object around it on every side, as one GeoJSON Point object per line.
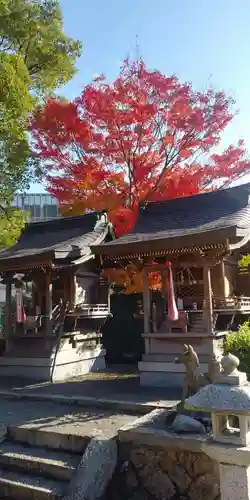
{"type": "Point", "coordinates": [144, 137]}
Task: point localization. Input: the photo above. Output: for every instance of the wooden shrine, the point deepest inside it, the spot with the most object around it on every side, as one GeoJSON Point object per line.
{"type": "Point", "coordinates": [203, 237]}
{"type": "Point", "coordinates": [53, 330]}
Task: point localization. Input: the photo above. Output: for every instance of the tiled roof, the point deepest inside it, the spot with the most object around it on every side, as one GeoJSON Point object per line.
{"type": "Point", "coordinates": [66, 237]}
{"type": "Point", "coordinates": [221, 213]}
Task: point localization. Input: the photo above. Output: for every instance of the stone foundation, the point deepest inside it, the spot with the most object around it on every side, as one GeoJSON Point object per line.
{"type": "Point", "coordinates": [147, 472]}
{"type": "Point", "coordinates": [158, 368]}
{"type": "Point", "coordinates": [53, 360]}
{"type": "Point", "coordinates": [155, 464]}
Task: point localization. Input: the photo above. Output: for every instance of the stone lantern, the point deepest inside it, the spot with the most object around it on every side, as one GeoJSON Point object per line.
{"type": "Point", "coordinates": [228, 401]}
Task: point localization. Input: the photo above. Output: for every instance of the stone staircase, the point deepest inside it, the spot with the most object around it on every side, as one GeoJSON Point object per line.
{"type": "Point", "coordinates": [38, 465]}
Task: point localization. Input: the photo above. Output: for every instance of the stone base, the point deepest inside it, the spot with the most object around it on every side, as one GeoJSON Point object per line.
{"type": "Point", "coordinates": [52, 363]}
{"type": "Point", "coordinates": [161, 379]}
{"type": "Point", "coordinates": [160, 374]}
{"type": "Point", "coordinates": [158, 367]}
{"type": "Point", "coordinates": [80, 364]}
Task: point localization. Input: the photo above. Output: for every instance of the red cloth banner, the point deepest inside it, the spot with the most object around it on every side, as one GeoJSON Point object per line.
{"type": "Point", "coordinates": [20, 314]}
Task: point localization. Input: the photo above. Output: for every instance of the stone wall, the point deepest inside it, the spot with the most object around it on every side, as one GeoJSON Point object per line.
{"type": "Point", "coordinates": [154, 473]}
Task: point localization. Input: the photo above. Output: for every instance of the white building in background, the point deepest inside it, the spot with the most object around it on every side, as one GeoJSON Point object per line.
{"type": "Point", "coordinates": [42, 206]}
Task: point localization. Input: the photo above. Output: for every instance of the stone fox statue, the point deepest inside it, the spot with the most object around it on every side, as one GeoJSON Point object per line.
{"type": "Point", "coordinates": [193, 381]}
{"type": "Point", "coordinates": [191, 362]}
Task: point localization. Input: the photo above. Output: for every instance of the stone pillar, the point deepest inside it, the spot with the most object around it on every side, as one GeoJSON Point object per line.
{"type": "Point", "coordinates": [208, 303]}
{"type": "Point", "coordinates": [146, 301]}
{"type": "Point", "coordinates": [234, 469]}
{"type": "Point", "coordinates": [234, 482]}
{"type": "Point", "coordinates": [230, 446]}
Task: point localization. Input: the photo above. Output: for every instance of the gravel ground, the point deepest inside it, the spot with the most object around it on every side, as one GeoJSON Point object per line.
{"type": "Point", "coordinates": [68, 419]}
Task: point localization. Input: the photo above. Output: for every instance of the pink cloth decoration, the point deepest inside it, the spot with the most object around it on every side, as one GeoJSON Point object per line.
{"type": "Point", "coordinates": [173, 313]}
{"type": "Point", "coordinates": [20, 313]}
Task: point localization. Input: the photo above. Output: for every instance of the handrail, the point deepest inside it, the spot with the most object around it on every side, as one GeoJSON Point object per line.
{"type": "Point", "coordinates": [63, 309]}
{"type": "Point", "coordinates": [57, 312]}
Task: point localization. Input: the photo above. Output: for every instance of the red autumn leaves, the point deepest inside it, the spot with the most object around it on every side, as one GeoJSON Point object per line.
{"type": "Point", "coordinates": [143, 137]}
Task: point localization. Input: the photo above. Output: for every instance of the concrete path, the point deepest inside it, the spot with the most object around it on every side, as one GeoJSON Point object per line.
{"type": "Point", "coordinates": [65, 419]}
{"type": "Point", "coordinates": [112, 388]}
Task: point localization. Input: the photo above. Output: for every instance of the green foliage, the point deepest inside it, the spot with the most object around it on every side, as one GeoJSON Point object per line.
{"type": "Point", "coordinates": [36, 57]}
{"type": "Point", "coordinates": [11, 225]}
{"type": "Point", "coordinates": [15, 105]}
{"type": "Point", "coordinates": [238, 343]}
{"type": "Point", "coordinates": [34, 30]}
{"type": "Point", "coordinates": [245, 261]}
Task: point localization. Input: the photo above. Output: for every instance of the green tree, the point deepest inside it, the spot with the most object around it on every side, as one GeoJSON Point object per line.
{"type": "Point", "coordinates": [11, 225]}
{"type": "Point", "coordinates": [36, 57]}
{"type": "Point", "coordinates": [15, 105]}
{"type": "Point", "coordinates": [33, 29]}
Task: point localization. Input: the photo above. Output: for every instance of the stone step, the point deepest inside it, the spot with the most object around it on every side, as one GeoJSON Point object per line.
{"type": "Point", "coordinates": [52, 464]}
{"type": "Point", "coordinates": [21, 486]}
{"type": "Point", "coordinates": [51, 440]}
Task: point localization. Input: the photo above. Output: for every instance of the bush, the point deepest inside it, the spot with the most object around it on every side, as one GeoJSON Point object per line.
{"type": "Point", "coordinates": [244, 261]}
{"type": "Point", "coordinates": [238, 343]}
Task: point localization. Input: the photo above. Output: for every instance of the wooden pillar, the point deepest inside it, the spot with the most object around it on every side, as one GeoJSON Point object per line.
{"type": "Point", "coordinates": [222, 277]}
{"type": "Point", "coordinates": [146, 301]}
{"type": "Point", "coordinates": [8, 313]}
{"type": "Point", "coordinates": [164, 274]}
{"type": "Point", "coordinates": [71, 281]}
{"type": "Point", "coordinates": [109, 299]}
{"type": "Point", "coordinates": [48, 302]}
{"type": "Point", "coordinates": [208, 302]}
{"type": "Point", "coordinates": [33, 296]}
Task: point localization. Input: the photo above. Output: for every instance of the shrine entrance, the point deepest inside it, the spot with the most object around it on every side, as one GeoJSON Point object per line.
{"type": "Point", "coordinates": [123, 331]}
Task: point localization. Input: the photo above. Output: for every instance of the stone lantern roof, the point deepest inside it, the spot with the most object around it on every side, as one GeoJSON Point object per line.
{"type": "Point", "coordinates": [230, 392]}
{"type": "Point", "coordinates": [221, 398]}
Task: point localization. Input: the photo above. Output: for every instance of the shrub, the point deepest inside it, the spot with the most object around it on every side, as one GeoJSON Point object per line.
{"type": "Point", "coordinates": [238, 343]}
{"type": "Point", "coordinates": [244, 261]}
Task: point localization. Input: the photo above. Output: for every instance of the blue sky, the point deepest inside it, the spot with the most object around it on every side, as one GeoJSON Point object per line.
{"type": "Point", "coordinates": [205, 42]}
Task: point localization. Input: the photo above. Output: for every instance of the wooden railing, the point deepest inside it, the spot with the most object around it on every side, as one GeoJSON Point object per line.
{"type": "Point", "coordinates": [37, 324]}
{"type": "Point", "coordinates": [243, 270]}
{"type": "Point", "coordinates": [90, 310]}
{"type": "Point", "coordinates": [240, 303]}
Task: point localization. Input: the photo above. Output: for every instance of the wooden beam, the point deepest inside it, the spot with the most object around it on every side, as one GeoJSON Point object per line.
{"type": "Point", "coordinates": [146, 301]}
{"type": "Point", "coordinates": [48, 302]}
{"type": "Point", "coordinates": [176, 264]}
{"type": "Point", "coordinates": [222, 278]}
{"type": "Point", "coordinates": [8, 315]}
{"type": "Point", "coordinates": [164, 274]}
{"type": "Point", "coordinates": [208, 303]}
